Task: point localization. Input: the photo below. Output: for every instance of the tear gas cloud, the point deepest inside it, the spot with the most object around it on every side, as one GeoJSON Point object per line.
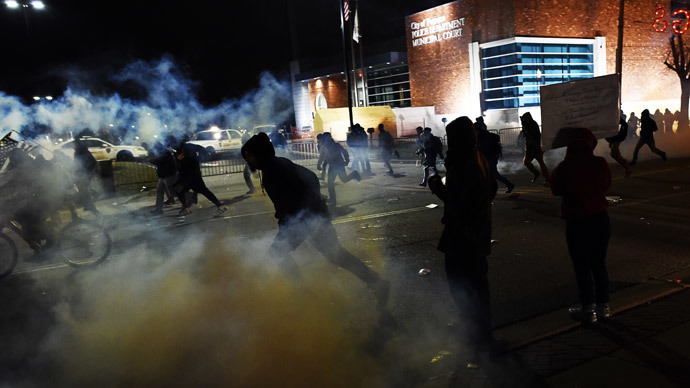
{"type": "Point", "coordinates": [208, 311]}
{"type": "Point", "coordinates": [209, 314]}
{"type": "Point", "coordinates": [167, 104]}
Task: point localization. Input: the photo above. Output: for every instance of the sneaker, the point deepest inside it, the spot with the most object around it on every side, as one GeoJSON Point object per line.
{"type": "Point", "coordinates": [584, 315]}
{"type": "Point", "coordinates": [185, 211]}
{"type": "Point", "coordinates": [628, 171]}
{"type": "Point", "coordinates": [510, 188]}
{"type": "Point", "coordinates": [534, 178]}
{"type": "Point", "coordinates": [169, 202]}
{"type": "Point", "coordinates": [221, 209]}
{"type": "Point", "coordinates": [423, 184]}
{"type": "Point", "coordinates": [250, 191]}
{"type": "Point", "coordinates": [390, 172]}
{"type": "Point", "coordinates": [355, 174]}
{"type": "Point", "coordinates": [603, 312]}
{"type": "Point", "coordinates": [663, 156]}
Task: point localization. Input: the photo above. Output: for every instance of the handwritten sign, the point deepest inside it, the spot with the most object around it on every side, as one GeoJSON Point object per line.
{"type": "Point", "coordinates": [589, 103]}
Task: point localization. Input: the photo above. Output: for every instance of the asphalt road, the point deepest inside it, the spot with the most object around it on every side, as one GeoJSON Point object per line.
{"type": "Point", "coordinates": [393, 225]}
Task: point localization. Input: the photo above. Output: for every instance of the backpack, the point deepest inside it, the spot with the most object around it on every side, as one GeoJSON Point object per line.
{"type": "Point", "coordinates": [490, 144]}
{"type": "Point", "coordinates": [438, 145]}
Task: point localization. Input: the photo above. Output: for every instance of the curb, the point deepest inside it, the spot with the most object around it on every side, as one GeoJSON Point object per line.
{"type": "Point", "coordinates": [547, 325]}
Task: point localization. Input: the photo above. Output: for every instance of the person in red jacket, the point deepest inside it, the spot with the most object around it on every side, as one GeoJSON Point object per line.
{"type": "Point", "coordinates": [582, 180]}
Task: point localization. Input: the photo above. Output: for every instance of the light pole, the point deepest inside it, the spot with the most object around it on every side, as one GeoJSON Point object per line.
{"type": "Point", "coordinates": [25, 5]}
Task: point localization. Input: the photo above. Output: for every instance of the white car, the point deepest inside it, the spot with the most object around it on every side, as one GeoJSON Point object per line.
{"type": "Point", "coordinates": [102, 150]}
{"type": "Point", "coordinates": [216, 139]}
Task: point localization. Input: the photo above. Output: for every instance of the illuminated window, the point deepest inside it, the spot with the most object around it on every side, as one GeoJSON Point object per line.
{"type": "Point", "coordinates": [321, 102]}
{"type": "Point", "coordinates": [389, 86]}
{"type": "Point", "coordinates": [513, 72]}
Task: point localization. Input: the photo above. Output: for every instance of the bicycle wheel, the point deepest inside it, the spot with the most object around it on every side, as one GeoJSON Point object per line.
{"type": "Point", "coordinates": [8, 255]}
{"type": "Point", "coordinates": [82, 243]}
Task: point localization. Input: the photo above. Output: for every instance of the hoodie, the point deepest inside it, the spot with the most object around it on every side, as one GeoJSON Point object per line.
{"type": "Point", "coordinates": [582, 179]}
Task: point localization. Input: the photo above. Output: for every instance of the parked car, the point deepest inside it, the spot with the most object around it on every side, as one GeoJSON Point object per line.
{"type": "Point", "coordinates": [216, 139]}
{"type": "Point", "coordinates": [102, 150]}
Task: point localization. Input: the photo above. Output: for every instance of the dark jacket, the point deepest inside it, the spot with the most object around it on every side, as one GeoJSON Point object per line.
{"type": "Point", "coordinates": [647, 127]}
{"type": "Point", "coordinates": [188, 161]}
{"type": "Point", "coordinates": [532, 135]}
{"type": "Point", "coordinates": [385, 140]}
{"type": "Point", "coordinates": [582, 179]}
{"type": "Point", "coordinates": [489, 144]}
{"type": "Point", "coordinates": [165, 163]}
{"type": "Point", "coordinates": [84, 161]}
{"type": "Point", "coordinates": [467, 197]}
{"type": "Point", "coordinates": [293, 189]}
{"type": "Point", "coordinates": [622, 133]}
{"type": "Point", "coordinates": [432, 148]}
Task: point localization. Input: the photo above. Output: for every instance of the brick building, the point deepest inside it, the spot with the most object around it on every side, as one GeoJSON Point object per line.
{"type": "Point", "coordinates": [475, 57]}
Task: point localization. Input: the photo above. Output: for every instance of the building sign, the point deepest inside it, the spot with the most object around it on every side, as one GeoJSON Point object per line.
{"type": "Point", "coordinates": [434, 30]}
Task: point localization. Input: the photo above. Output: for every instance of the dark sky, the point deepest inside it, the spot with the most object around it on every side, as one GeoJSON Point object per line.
{"type": "Point", "coordinates": [223, 45]}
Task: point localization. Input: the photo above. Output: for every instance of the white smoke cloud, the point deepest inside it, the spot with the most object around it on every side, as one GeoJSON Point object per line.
{"type": "Point", "coordinates": [167, 103]}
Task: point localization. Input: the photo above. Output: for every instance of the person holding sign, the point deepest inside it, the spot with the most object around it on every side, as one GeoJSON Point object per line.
{"type": "Point", "coordinates": [532, 135]}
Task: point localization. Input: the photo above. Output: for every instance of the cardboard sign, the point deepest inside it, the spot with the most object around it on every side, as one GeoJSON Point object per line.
{"type": "Point", "coordinates": [589, 103]}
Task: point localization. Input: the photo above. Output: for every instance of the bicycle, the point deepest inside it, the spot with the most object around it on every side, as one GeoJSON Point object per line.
{"type": "Point", "coordinates": [80, 243]}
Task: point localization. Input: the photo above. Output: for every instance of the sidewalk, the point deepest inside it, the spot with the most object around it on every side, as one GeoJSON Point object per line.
{"type": "Point", "coordinates": [646, 343]}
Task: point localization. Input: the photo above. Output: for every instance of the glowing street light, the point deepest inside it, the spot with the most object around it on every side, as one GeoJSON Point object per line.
{"type": "Point", "coordinates": [25, 5]}
{"type": "Point", "coordinates": [37, 98]}
{"type": "Point", "coordinates": [49, 98]}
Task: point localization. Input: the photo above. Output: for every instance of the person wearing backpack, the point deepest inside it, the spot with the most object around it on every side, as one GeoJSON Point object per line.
{"type": "Point", "coordinates": [489, 144]}
{"type": "Point", "coordinates": [303, 215]}
{"type": "Point", "coordinates": [337, 158]}
{"type": "Point", "coordinates": [614, 144]}
{"type": "Point", "coordinates": [432, 148]}
{"type": "Point", "coordinates": [647, 129]}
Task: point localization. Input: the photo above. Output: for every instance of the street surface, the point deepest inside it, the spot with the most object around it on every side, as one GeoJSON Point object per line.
{"type": "Point", "coordinates": [388, 221]}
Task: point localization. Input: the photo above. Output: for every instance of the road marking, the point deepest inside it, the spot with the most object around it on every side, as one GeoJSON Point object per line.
{"type": "Point", "coordinates": [379, 215]}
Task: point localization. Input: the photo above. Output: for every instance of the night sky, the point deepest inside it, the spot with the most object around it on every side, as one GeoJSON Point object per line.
{"type": "Point", "coordinates": [222, 45]}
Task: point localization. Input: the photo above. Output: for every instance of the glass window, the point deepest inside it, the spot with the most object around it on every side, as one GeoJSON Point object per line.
{"type": "Point", "coordinates": [513, 73]}
{"type": "Point", "coordinates": [390, 86]}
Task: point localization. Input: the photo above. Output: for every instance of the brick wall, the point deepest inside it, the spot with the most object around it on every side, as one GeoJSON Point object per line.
{"type": "Point", "coordinates": [439, 71]}
{"type": "Point", "coordinates": [333, 89]}
{"type": "Point", "coordinates": [645, 77]}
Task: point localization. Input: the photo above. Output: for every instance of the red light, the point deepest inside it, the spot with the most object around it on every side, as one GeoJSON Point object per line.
{"type": "Point", "coordinates": [678, 22]}
{"type": "Point", "coordinates": [360, 72]}
{"type": "Point", "coordinates": [658, 15]}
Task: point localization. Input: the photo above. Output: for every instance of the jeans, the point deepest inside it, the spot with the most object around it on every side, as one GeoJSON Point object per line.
{"type": "Point", "coordinates": [588, 240]}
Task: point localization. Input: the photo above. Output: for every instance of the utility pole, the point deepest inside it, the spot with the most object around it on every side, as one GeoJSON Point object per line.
{"type": "Point", "coordinates": [347, 72]}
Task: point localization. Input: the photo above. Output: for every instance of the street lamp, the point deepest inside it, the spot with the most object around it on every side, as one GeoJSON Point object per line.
{"type": "Point", "coordinates": [26, 4]}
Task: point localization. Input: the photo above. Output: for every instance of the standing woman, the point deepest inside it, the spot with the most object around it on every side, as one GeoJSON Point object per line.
{"type": "Point", "coordinates": [582, 179]}
{"type": "Point", "coordinates": [466, 238]}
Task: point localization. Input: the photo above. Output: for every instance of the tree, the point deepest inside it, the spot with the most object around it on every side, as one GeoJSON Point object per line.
{"type": "Point", "coordinates": [678, 60]}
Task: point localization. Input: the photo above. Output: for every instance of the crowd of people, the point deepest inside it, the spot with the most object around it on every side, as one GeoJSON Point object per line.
{"type": "Point", "coordinates": [470, 186]}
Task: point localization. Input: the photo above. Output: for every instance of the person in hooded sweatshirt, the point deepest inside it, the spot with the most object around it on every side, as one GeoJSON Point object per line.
{"type": "Point", "coordinates": [466, 238]}
{"type": "Point", "coordinates": [647, 128]}
{"type": "Point", "coordinates": [190, 178]}
{"type": "Point", "coordinates": [582, 180]}
{"type": "Point", "coordinates": [302, 214]}
{"type": "Point", "coordinates": [532, 135]}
